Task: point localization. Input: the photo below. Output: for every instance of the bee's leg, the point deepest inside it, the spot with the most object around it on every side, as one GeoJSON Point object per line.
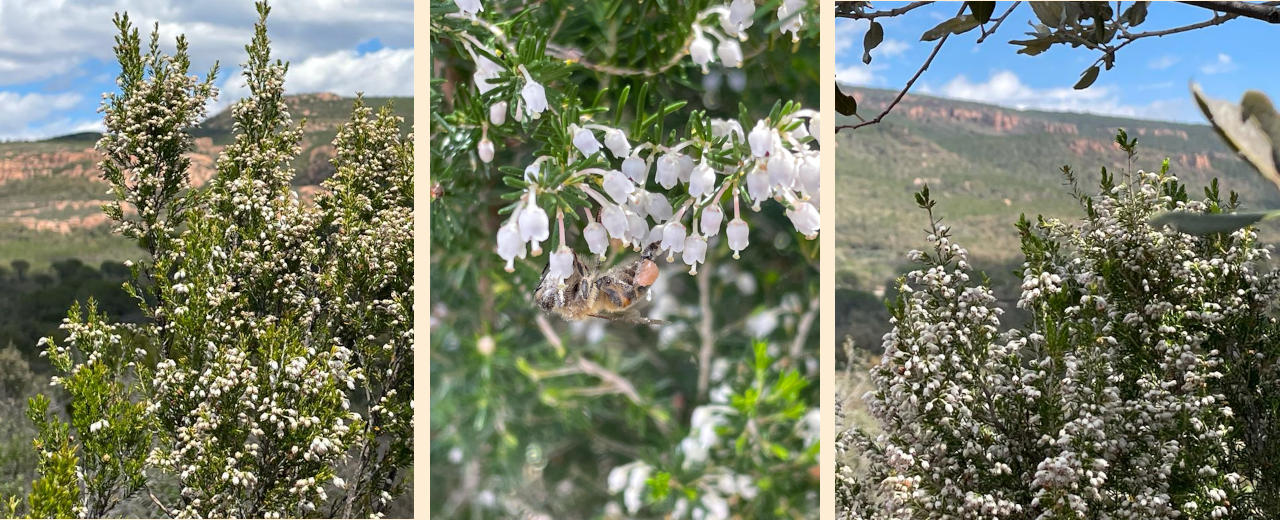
{"type": "Point", "coordinates": [651, 251]}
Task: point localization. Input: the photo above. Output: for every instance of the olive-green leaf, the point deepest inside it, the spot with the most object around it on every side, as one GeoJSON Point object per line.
{"type": "Point", "coordinates": [845, 104]}
{"type": "Point", "coordinates": [1136, 14]}
{"type": "Point", "coordinates": [1090, 75]}
{"type": "Point", "coordinates": [982, 10]}
{"type": "Point", "coordinates": [875, 35]}
{"type": "Point", "coordinates": [1245, 136]}
{"type": "Point", "coordinates": [1206, 223]}
{"type": "Point", "coordinates": [1034, 46]}
{"type": "Point", "coordinates": [955, 25]}
{"type": "Point", "coordinates": [1049, 13]}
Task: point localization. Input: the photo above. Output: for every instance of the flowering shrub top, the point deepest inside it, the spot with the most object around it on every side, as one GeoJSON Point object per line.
{"type": "Point", "coordinates": [1140, 389]}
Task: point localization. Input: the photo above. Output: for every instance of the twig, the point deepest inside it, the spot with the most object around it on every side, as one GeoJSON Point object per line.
{"type": "Point", "coordinates": [575, 55]}
{"type": "Point", "coordinates": [1000, 20]}
{"type": "Point", "coordinates": [845, 10]}
{"type": "Point", "coordinates": [549, 333]}
{"type": "Point", "coordinates": [623, 386]}
{"type": "Point", "coordinates": [706, 332]}
{"type": "Point", "coordinates": [802, 330]}
{"type": "Point", "coordinates": [1264, 12]}
{"type": "Point", "coordinates": [902, 93]}
{"type": "Point", "coordinates": [156, 501]}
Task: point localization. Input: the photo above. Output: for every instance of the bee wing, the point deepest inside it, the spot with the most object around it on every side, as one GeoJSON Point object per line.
{"type": "Point", "coordinates": [630, 316]}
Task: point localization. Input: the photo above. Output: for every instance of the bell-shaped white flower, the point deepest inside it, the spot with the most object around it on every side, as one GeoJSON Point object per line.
{"type": "Point", "coordinates": [614, 220]}
{"type": "Point", "coordinates": [760, 139]}
{"type": "Point", "coordinates": [597, 239]}
{"type": "Point", "coordinates": [498, 113]}
{"type": "Point", "coordinates": [668, 170]}
{"type": "Point", "coordinates": [781, 166]}
{"type": "Point", "coordinates": [758, 185]}
{"type": "Point", "coordinates": [730, 53]}
{"type": "Point", "coordinates": [485, 150]}
{"type": "Point", "coordinates": [673, 235]}
{"type": "Point", "coordinates": [702, 181]}
{"type": "Point", "coordinates": [486, 72]}
{"type": "Point", "coordinates": [792, 21]}
{"type": "Point", "coordinates": [560, 265]}
{"type": "Point", "coordinates": [658, 207]}
{"type": "Point", "coordinates": [740, 14]}
{"type": "Point", "coordinates": [637, 230]}
{"type": "Point", "coordinates": [638, 203]}
{"type": "Point", "coordinates": [616, 142]}
{"type": "Point", "coordinates": [695, 252]}
{"type": "Point", "coordinates": [701, 51]}
{"type": "Point", "coordinates": [686, 167]}
{"type": "Point", "coordinates": [533, 171]}
{"type": "Point", "coordinates": [635, 169]}
{"type": "Point", "coordinates": [737, 232]}
{"type": "Point", "coordinates": [729, 127]}
{"type": "Point", "coordinates": [534, 226]}
{"type": "Point", "coordinates": [469, 7]}
{"type": "Point", "coordinates": [815, 129]}
{"type": "Point", "coordinates": [806, 219]}
{"type": "Point", "coordinates": [712, 216]}
{"type": "Point", "coordinates": [535, 98]}
{"type": "Point", "coordinates": [585, 141]}
{"type": "Point", "coordinates": [809, 174]}
{"type": "Point", "coordinates": [618, 186]}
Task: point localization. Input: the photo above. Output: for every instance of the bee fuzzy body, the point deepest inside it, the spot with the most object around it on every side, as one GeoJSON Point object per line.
{"type": "Point", "coordinates": [589, 292]}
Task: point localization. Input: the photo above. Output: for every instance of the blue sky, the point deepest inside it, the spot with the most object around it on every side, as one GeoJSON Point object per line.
{"type": "Point", "coordinates": [56, 57]}
{"type": "Point", "coordinates": [1149, 80]}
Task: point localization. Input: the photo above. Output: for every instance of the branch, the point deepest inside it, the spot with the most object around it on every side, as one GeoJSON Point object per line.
{"type": "Point", "coordinates": [902, 93]}
{"type": "Point", "coordinates": [1264, 12]}
{"type": "Point", "coordinates": [707, 335]}
{"type": "Point", "coordinates": [846, 10]}
{"type": "Point", "coordinates": [575, 56]}
{"type": "Point", "coordinates": [802, 331]}
{"type": "Point", "coordinates": [1000, 20]}
{"type": "Point", "coordinates": [156, 501]}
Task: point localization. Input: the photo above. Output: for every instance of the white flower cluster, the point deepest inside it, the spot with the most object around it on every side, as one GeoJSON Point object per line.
{"type": "Point", "coordinates": [735, 19]}
{"type": "Point", "coordinates": [1111, 403]}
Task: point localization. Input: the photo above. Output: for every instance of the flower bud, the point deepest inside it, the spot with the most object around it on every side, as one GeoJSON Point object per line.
{"type": "Point", "coordinates": [667, 171]}
{"type": "Point", "coordinates": [618, 186]}
{"type": "Point", "coordinates": [730, 53]}
{"type": "Point", "coordinates": [485, 150]}
{"type": "Point", "coordinates": [806, 219]}
{"type": "Point", "coordinates": [702, 181]}
{"type": "Point", "coordinates": [597, 239]}
{"type": "Point", "coordinates": [535, 97]}
{"type": "Point", "coordinates": [585, 141]}
{"type": "Point", "coordinates": [695, 252]}
{"type": "Point", "coordinates": [635, 169]}
{"type": "Point", "coordinates": [498, 113]}
{"type": "Point", "coordinates": [617, 143]}
{"type": "Point", "coordinates": [701, 51]}
{"type": "Point", "coordinates": [658, 207]}
{"type": "Point", "coordinates": [737, 232]}
{"type": "Point", "coordinates": [614, 220]}
{"type": "Point", "coordinates": [712, 216]}
{"type": "Point", "coordinates": [760, 139]}
{"type": "Point", "coordinates": [510, 244]}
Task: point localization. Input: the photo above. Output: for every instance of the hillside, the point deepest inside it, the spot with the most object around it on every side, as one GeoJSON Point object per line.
{"type": "Point", "coordinates": [985, 165]}
{"type": "Point", "coordinates": [51, 193]}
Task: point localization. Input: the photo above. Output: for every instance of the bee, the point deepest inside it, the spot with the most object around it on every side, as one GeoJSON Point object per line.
{"type": "Point", "coordinates": [591, 293]}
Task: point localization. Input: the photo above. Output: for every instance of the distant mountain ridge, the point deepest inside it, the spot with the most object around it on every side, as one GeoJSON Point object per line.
{"type": "Point", "coordinates": [51, 192]}
{"type": "Point", "coordinates": [985, 165]}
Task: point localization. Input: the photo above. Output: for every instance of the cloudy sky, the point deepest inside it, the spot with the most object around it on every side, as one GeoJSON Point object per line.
{"type": "Point", "coordinates": [56, 56]}
{"type": "Point", "coordinates": [1149, 80]}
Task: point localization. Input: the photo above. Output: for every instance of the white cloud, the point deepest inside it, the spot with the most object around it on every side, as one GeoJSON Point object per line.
{"type": "Point", "coordinates": [1163, 62]}
{"type": "Point", "coordinates": [385, 72]}
{"type": "Point", "coordinates": [24, 116]}
{"type": "Point", "coordinates": [1221, 65]}
{"type": "Point", "coordinates": [849, 34]}
{"type": "Point", "coordinates": [857, 74]}
{"type": "Point", "coordinates": [890, 48]}
{"type": "Point", "coordinates": [1005, 88]}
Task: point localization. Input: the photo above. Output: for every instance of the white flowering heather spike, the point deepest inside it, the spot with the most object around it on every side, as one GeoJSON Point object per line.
{"type": "Point", "coordinates": [760, 139]}
{"type": "Point", "coordinates": [486, 72]}
{"type": "Point", "coordinates": [469, 7]}
{"type": "Point", "coordinates": [809, 173]}
{"type": "Point", "coordinates": [498, 113]}
{"type": "Point", "coordinates": [597, 239]}
{"type": "Point", "coordinates": [806, 219]}
{"type": "Point", "coordinates": [585, 141]}
{"type": "Point", "coordinates": [535, 97]}
{"type": "Point", "coordinates": [534, 227]}
{"type": "Point", "coordinates": [712, 216]}
{"type": "Point", "coordinates": [758, 186]}
{"type": "Point", "coordinates": [781, 166]}
{"type": "Point", "coordinates": [614, 220]}
{"type": "Point", "coordinates": [510, 245]}
{"type": "Point", "coordinates": [737, 232]}
{"type": "Point", "coordinates": [695, 252]}
{"type": "Point", "coordinates": [616, 142]}
{"type": "Point", "coordinates": [730, 53]}
{"type": "Point", "coordinates": [701, 51]}
{"type": "Point", "coordinates": [702, 181]}
{"type": "Point", "coordinates": [560, 265]}
{"type": "Point", "coordinates": [668, 170]}
{"type": "Point", "coordinates": [658, 207]}
{"type": "Point", "coordinates": [673, 234]}
{"type": "Point", "coordinates": [637, 230]}
{"type": "Point", "coordinates": [635, 169]}
{"type": "Point", "coordinates": [618, 186]}
{"type": "Point", "coordinates": [485, 150]}
{"type": "Point", "coordinates": [686, 167]}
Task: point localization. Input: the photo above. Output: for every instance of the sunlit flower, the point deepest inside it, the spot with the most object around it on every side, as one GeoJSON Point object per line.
{"type": "Point", "coordinates": [730, 53]}
{"type": "Point", "coordinates": [535, 97]}
{"type": "Point", "coordinates": [585, 141]}
{"type": "Point", "coordinates": [614, 220]}
{"type": "Point", "coordinates": [469, 7]}
{"type": "Point", "coordinates": [712, 216]}
{"type": "Point", "coordinates": [498, 113]}
{"type": "Point", "coordinates": [673, 235]}
{"type": "Point", "coordinates": [636, 170]}
{"type": "Point", "coordinates": [597, 239]}
{"type": "Point", "coordinates": [618, 186]}
{"type": "Point", "coordinates": [702, 181]}
{"type": "Point", "coordinates": [617, 143]}
{"type": "Point", "coordinates": [805, 218]}
{"type": "Point", "coordinates": [737, 232]}
{"type": "Point", "coordinates": [760, 139]}
{"type": "Point", "coordinates": [658, 207]}
{"type": "Point", "coordinates": [485, 150]}
{"type": "Point", "coordinates": [534, 226]}
{"type": "Point", "coordinates": [695, 252]}
{"type": "Point", "coordinates": [560, 265]}
{"type": "Point", "coordinates": [486, 72]}
{"type": "Point", "coordinates": [701, 51]}
{"type": "Point", "coordinates": [510, 243]}
{"type": "Point", "coordinates": [667, 170]}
